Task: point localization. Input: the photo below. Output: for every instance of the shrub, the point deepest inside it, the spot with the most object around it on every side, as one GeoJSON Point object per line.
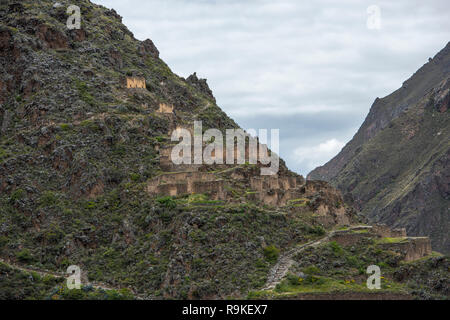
{"type": "Point", "coordinates": [135, 176]}
{"type": "Point", "coordinates": [119, 150]}
{"type": "Point", "coordinates": [311, 270]}
{"type": "Point", "coordinates": [282, 286]}
{"type": "Point", "coordinates": [166, 216]}
{"type": "Point", "coordinates": [90, 205]}
{"type": "Point", "coordinates": [255, 295]}
{"type": "Point", "coordinates": [318, 230]}
{"type": "Point", "coordinates": [293, 280]}
{"type": "Point", "coordinates": [353, 261]}
{"type": "Point", "coordinates": [336, 248]}
{"type": "Point", "coordinates": [315, 280]}
{"type": "Point", "coordinates": [83, 92]}
{"type": "Point", "coordinates": [3, 153]}
{"type": "Point", "coordinates": [24, 255]}
{"type": "Point", "coordinates": [48, 198]}
{"type": "Point", "coordinates": [74, 294]}
{"type": "Point", "coordinates": [54, 234]}
{"type": "Point", "coordinates": [17, 194]}
{"type": "Point", "coordinates": [167, 202]}
{"type": "Point", "coordinates": [3, 241]}
{"type": "Point", "coordinates": [271, 253]}
{"type": "Point", "coordinates": [90, 124]}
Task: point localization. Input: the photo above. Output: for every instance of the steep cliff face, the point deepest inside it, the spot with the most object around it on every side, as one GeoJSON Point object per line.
{"type": "Point", "coordinates": [396, 167]}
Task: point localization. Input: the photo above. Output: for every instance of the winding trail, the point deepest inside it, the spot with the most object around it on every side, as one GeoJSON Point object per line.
{"type": "Point", "coordinates": [281, 268]}
{"type": "Point", "coordinates": [43, 273]}
{"type": "Point", "coordinates": [276, 273]}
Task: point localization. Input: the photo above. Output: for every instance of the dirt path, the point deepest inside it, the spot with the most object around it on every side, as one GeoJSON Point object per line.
{"type": "Point", "coordinates": [280, 269]}
{"type": "Point", "coordinates": [43, 273]}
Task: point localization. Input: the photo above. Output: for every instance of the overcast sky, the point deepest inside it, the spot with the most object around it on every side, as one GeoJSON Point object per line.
{"type": "Point", "coordinates": [310, 68]}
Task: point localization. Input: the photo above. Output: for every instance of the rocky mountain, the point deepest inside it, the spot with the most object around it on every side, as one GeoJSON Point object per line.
{"type": "Point", "coordinates": [396, 167]}
{"type": "Point", "coordinates": [86, 179]}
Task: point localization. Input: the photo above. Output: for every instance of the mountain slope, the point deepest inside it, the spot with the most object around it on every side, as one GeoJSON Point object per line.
{"type": "Point", "coordinates": [396, 165]}
{"type": "Point", "coordinates": [86, 117]}
{"type": "Point", "coordinates": [86, 178]}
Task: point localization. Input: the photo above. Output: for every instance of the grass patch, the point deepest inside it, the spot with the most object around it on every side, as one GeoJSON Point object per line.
{"type": "Point", "coordinates": [360, 231]}
{"type": "Point", "coordinates": [65, 126]}
{"type": "Point", "coordinates": [392, 240]}
{"type": "Point", "coordinates": [293, 285]}
{"type": "Point", "coordinates": [301, 202]}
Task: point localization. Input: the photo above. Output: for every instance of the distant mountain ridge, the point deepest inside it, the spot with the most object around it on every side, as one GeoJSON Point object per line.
{"type": "Point", "coordinates": [396, 166]}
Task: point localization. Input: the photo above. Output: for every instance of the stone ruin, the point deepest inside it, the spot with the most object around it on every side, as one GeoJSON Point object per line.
{"type": "Point", "coordinates": [384, 231]}
{"type": "Point", "coordinates": [283, 189]}
{"type": "Point", "coordinates": [183, 178]}
{"type": "Point", "coordinates": [165, 153]}
{"type": "Point", "coordinates": [411, 248]}
{"type": "Point", "coordinates": [165, 108]}
{"type": "Point", "coordinates": [140, 83]}
{"type": "Point", "coordinates": [275, 190]}
{"type": "Point", "coordinates": [243, 182]}
{"type": "Point", "coordinates": [180, 183]}
{"type": "Point", "coordinates": [136, 82]}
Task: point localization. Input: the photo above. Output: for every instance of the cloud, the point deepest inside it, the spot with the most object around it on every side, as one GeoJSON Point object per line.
{"type": "Point", "coordinates": [311, 156]}
{"type": "Point", "coordinates": [313, 62]}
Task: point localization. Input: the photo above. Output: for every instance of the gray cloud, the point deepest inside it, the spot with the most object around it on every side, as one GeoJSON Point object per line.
{"type": "Point", "coordinates": [311, 69]}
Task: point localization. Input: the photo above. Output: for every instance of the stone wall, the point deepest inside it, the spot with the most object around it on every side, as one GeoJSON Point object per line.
{"type": "Point", "coordinates": [136, 82]}
{"type": "Point", "coordinates": [246, 152]}
{"type": "Point", "coordinates": [265, 183]}
{"type": "Point", "coordinates": [384, 231]}
{"type": "Point", "coordinates": [419, 247]}
{"type": "Point", "coordinates": [165, 108]}
{"type": "Point", "coordinates": [181, 183]}
{"type": "Point", "coordinates": [275, 190]}
{"type": "Point", "coordinates": [398, 232]}
{"type": "Point", "coordinates": [166, 164]}
{"type": "Point", "coordinates": [278, 197]}
{"type": "Point", "coordinates": [412, 248]}
{"type": "Point", "coordinates": [165, 159]}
